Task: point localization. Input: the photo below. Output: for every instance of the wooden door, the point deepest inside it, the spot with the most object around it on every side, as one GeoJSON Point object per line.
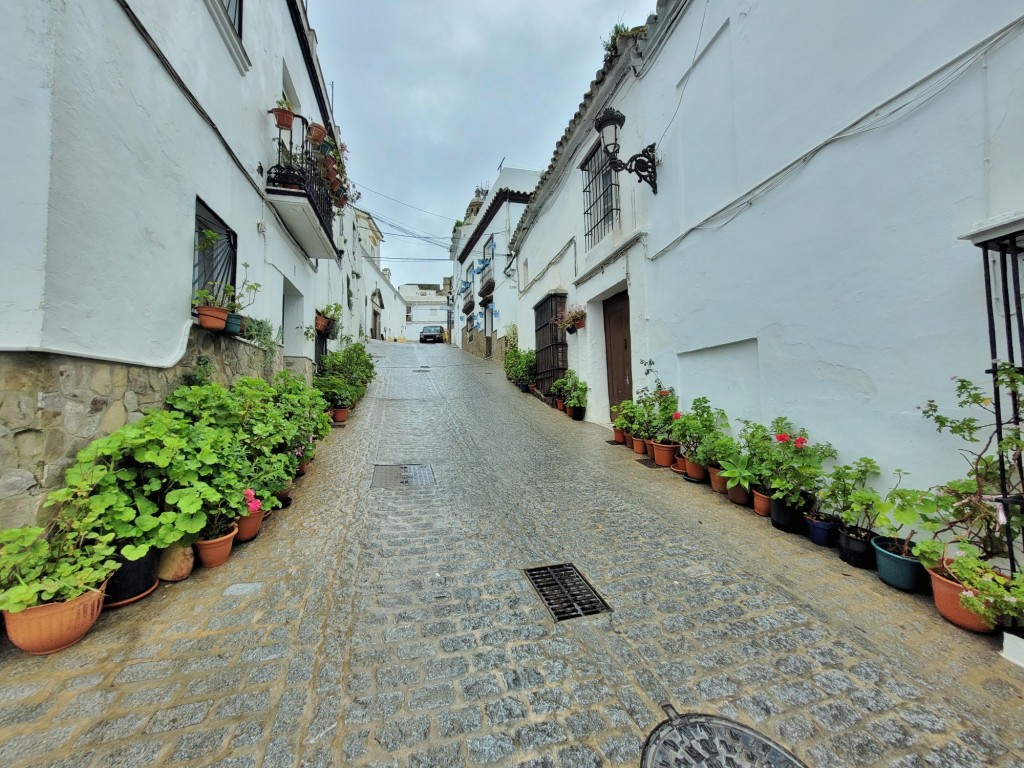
{"type": "Point", "coordinates": [617, 348]}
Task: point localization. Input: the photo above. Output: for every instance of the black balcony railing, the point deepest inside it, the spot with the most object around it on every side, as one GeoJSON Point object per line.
{"type": "Point", "coordinates": [486, 280]}
{"type": "Point", "coordinates": [300, 167]}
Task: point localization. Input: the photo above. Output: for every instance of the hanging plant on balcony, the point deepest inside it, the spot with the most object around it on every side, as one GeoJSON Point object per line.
{"type": "Point", "coordinates": [283, 114]}
{"type": "Point", "coordinates": [316, 133]}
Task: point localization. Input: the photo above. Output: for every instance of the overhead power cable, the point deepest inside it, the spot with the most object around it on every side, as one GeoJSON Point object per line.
{"type": "Point", "coordinates": [407, 205]}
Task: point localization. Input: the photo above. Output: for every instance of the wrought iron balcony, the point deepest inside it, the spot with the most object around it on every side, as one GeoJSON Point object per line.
{"type": "Point", "coordinates": [468, 305]}
{"type": "Point", "coordinates": [487, 279]}
{"type": "Point", "coordinates": [300, 191]}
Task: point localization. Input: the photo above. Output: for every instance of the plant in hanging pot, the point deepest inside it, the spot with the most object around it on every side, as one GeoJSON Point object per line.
{"type": "Point", "coordinates": [572, 318]}
{"type": "Point", "coordinates": [52, 580]}
{"type": "Point", "coordinates": [283, 113]}
{"type": "Point", "coordinates": [316, 133]}
{"type": "Point", "coordinates": [837, 521]}
{"type": "Point", "coordinates": [795, 467]}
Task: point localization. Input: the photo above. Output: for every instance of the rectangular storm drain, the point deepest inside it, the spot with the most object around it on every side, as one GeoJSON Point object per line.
{"type": "Point", "coordinates": [565, 592]}
{"type": "Point", "coordinates": [398, 476]}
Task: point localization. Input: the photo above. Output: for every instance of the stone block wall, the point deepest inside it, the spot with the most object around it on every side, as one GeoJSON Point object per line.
{"type": "Point", "coordinates": [52, 406]}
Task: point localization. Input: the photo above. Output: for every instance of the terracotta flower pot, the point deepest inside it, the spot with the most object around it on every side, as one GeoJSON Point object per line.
{"type": "Point", "coordinates": [717, 481]}
{"type": "Point", "coordinates": [176, 563]}
{"type": "Point", "coordinates": [212, 318]}
{"type": "Point", "coordinates": [321, 323]}
{"type": "Point", "coordinates": [283, 118]}
{"type": "Point", "coordinates": [581, 324]}
{"type": "Point", "coordinates": [680, 462]}
{"type": "Point", "coordinates": [664, 453]}
{"type": "Point", "coordinates": [53, 627]}
{"type": "Point", "coordinates": [762, 504]}
{"type": "Point", "coordinates": [339, 415]}
{"type": "Point", "coordinates": [559, 403]}
{"type": "Point", "coordinates": [946, 593]}
{"type": "Point", "coordinates": [694, 470]}
{"type": "Point", "coordinates": [639, 445]}
{"type": "Point", "coordinates": [618, 435]}
{"type": "Point", "coordinates": [737, 494]}
{"type": "Point", "coordinates": [316, 133]}
{"type": "Point", "coordinates": [249, 527]}
{"type": "Point", "coordinates": [629, 440]}
{"type": "Point", "coordinates": [215, 552]}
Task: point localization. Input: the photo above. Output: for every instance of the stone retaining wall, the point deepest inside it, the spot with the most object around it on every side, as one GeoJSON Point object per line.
{"type": "Point", "coordinates": [51, 406]}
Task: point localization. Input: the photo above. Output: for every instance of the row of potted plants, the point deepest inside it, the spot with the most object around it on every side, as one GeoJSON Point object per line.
{"type": "Point", "coordinates": [952, 535]}
{"type": "Point", "coordinates": [219, 305]}
{"type": "Point", "coordinates": [344, 377]}
{"type": "Point", "coordinates": [203, 471]}
{"type": "Point", "coordinates": [521, 367]}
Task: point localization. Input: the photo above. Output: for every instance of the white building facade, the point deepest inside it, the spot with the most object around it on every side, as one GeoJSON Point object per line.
{"type": "Point", "coordinates": [426, 304]}
{"type": "Point", "coordinates": [801, 254]}
{"type": "Point", "coordinates": [142, 132]}
{"type": "Point", "coordinates": [484, 275]}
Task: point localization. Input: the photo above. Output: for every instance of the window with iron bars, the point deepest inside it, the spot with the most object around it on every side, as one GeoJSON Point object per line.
{"type": "Point", "coordinates": [234, 9]}
{"type": "Point", "coordinates": [600, 196]}
{"type": "Point", "coordinates": [215, 252]}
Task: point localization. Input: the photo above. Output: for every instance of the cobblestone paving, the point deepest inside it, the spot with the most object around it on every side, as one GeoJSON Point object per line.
{"type": "Point", "coordinates": [378, 627]}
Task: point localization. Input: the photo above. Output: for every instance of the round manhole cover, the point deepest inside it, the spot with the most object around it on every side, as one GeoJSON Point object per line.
{"type": "Point", "coordinates": [711, 742]}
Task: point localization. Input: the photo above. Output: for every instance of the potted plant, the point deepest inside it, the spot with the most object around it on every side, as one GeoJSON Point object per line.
{"type": "Point", "coordinates": [316, 133]}
{"type": "Point", "coordinates": [559, 389]}
{"type": "Point", "coordinates": [51, 586]}
{"type": "Point", "coordinates": [756, 442]}
{"type": "Point", "coordinates": [625, 413]}
{"type": "Point", "coordinates": [572, 318]}
{"type": "Point", "coordinates": [283, 114]}
{"type": "Point", "coordinates": [739, 475]}
{"type": "Point", "coordinates": [901, 515]}
{"type": "Point", "coordinates": [526, 369]}
{"type": "Point", "coordinates": [666, 406]}
{"type": "Point", "coordinates": [577, 399]}
{"type": "Point", "coordinates": [715, 447]}
{"type": "Point", "coordinates": [339, 394]}
{"type": "Point", "coordinates": [837, 519]}
{"type": "Point", "coordinates": [250, 519]}
{"type": "Point", "coordinates": [975, 513]}
{"type": "Point", "coordinates": [238, 299]}
{"type": "Point", "coordinates": [795, 467]}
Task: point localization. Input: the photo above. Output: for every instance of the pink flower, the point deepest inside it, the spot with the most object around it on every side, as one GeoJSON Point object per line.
{"type": "Point", "coordinates": [249, 494]}
{"type": "Point", "coordinates": [254, 504]}
{"type": "Point", "coordinates": [782, 437]}
{"type": "Point", "coordinates": [677, 415]}
{"type": "Point", "coordinates": [800, 442]}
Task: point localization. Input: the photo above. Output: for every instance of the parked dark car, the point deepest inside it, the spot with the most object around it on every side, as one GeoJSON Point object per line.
{"type": "Point", "coordinates": [432, 333]}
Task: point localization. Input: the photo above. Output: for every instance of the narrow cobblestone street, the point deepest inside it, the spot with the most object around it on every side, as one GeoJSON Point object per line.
{"type": "Point", "coordinates": [377, 627]}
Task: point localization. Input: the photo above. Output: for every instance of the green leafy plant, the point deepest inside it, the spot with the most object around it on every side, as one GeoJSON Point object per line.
{"type": "Point", "coordinates": [35, 568]}
{"type": "Point", "coordinates": [756, 442]}
{"type": "Point", "coordinates": [577, 397]}
{"type": "Point", "coordinates": [839, 495]}
{"type": "Point", "coordinates": [283, 103]}
{"type": "Point", "coordinates": [795, 465]}
{"type": "Point", "coordinates": [244, 295]}
{"type": "Point", "coordinates": [738, 470]}
{"type": "Point", "coordinates": [261, 333]}
{"type": "Point", "coordinates": [697, 429]}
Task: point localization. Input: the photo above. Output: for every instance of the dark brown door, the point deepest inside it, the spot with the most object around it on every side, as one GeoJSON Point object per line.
{"type": "Point", "coordinates": [617, 348]}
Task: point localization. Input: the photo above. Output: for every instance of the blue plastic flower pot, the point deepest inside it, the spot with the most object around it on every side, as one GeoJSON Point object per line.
{"type": "Point", "coordinates": [822, 532]}
{"type": "Point", "coordinates": [904, 573]}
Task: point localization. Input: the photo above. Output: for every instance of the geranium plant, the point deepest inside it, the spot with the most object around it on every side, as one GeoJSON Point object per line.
{"type": "Point", "coordinates": [795, 464]}
{"type": "Point", "coordinates": [846, 497]}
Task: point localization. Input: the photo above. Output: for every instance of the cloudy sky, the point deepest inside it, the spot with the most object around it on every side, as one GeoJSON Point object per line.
{"type": "Point", "coordinates": [431, 96]}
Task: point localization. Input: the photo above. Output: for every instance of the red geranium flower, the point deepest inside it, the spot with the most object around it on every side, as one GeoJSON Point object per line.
{"type": "Point", "coordinates": [782, 437]}
{"type": "Point", "coordinates": [677, 415]}
{"type": "Point", "coordinates": [800, 442]}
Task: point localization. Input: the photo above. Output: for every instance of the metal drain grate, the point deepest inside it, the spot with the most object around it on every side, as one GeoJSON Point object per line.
{"type": "Point", "coordinates": [398, 476]}
{"type": "Point", "coordinates": [565, 592]}
{"type": "Point", "coordinates": [649, 463]}
{"type": "Point", "coordinates": [707, 741]}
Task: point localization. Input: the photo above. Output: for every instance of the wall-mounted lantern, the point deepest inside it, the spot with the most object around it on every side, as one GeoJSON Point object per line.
{"type": "Point", "coordinates": [607, 124]}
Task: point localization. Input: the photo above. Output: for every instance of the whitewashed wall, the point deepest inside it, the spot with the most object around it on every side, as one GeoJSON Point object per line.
{"type": "Point", "coordinates": [842, 298]}
{"type": "Point", "coordinates": [105, 232]}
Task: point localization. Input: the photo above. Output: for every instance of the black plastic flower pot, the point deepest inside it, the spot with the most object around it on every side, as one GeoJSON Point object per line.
{"type": "Point", "coordinates": [578, 412]}
{"type": "Point", "coordinates": [905, 573]}
{"type": "Point", "coordinates": [788, 518]}
{"type": "Point", "coordinates": [822, 532]}
{"type": "Point", "coordinates": [133, 580]}
{"type": "Point", "coordinates": [855, 548]}
{"type": "Point", "coordinates": [524, 387]}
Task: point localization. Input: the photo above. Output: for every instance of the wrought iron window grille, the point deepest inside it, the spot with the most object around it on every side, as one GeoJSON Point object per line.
{"type": "Point", "coordinates": [214, 257]}
{"type": "Point", "coordinates": [600, 196]}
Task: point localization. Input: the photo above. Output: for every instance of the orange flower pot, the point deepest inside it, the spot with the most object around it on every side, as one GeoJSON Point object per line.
{"type": "Point", "coordinates": [664, 454]}
{"type": "Point", "coordinates": [212, 318]}
{"type": "Point", "coordinates": [629, 440]}
{"type": "Point", "coordinates": [215, 552]}
{"type": "Point", "coordinates": [947, 601]}
{"type": "Point", "coordinates": [762, 504]}
{"type": "Point", "coordinates": [717, 481]}
{"type": "Point", "coordinates": [339, 415]}
{"type": "Point", "coordinates": [249, 527]}
{"type": "Point", "coordinates": [618, 435]}
{"type": "Point", "coordinates": [695, 471]}
{"type": "Point", "coordinates": [639, 446]}
{"type": "Point", "coordinates": [52, 627]}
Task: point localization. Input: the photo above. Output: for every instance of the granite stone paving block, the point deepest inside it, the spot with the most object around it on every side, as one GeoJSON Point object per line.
{"type": "Point", "coordinates": [395, 627]}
